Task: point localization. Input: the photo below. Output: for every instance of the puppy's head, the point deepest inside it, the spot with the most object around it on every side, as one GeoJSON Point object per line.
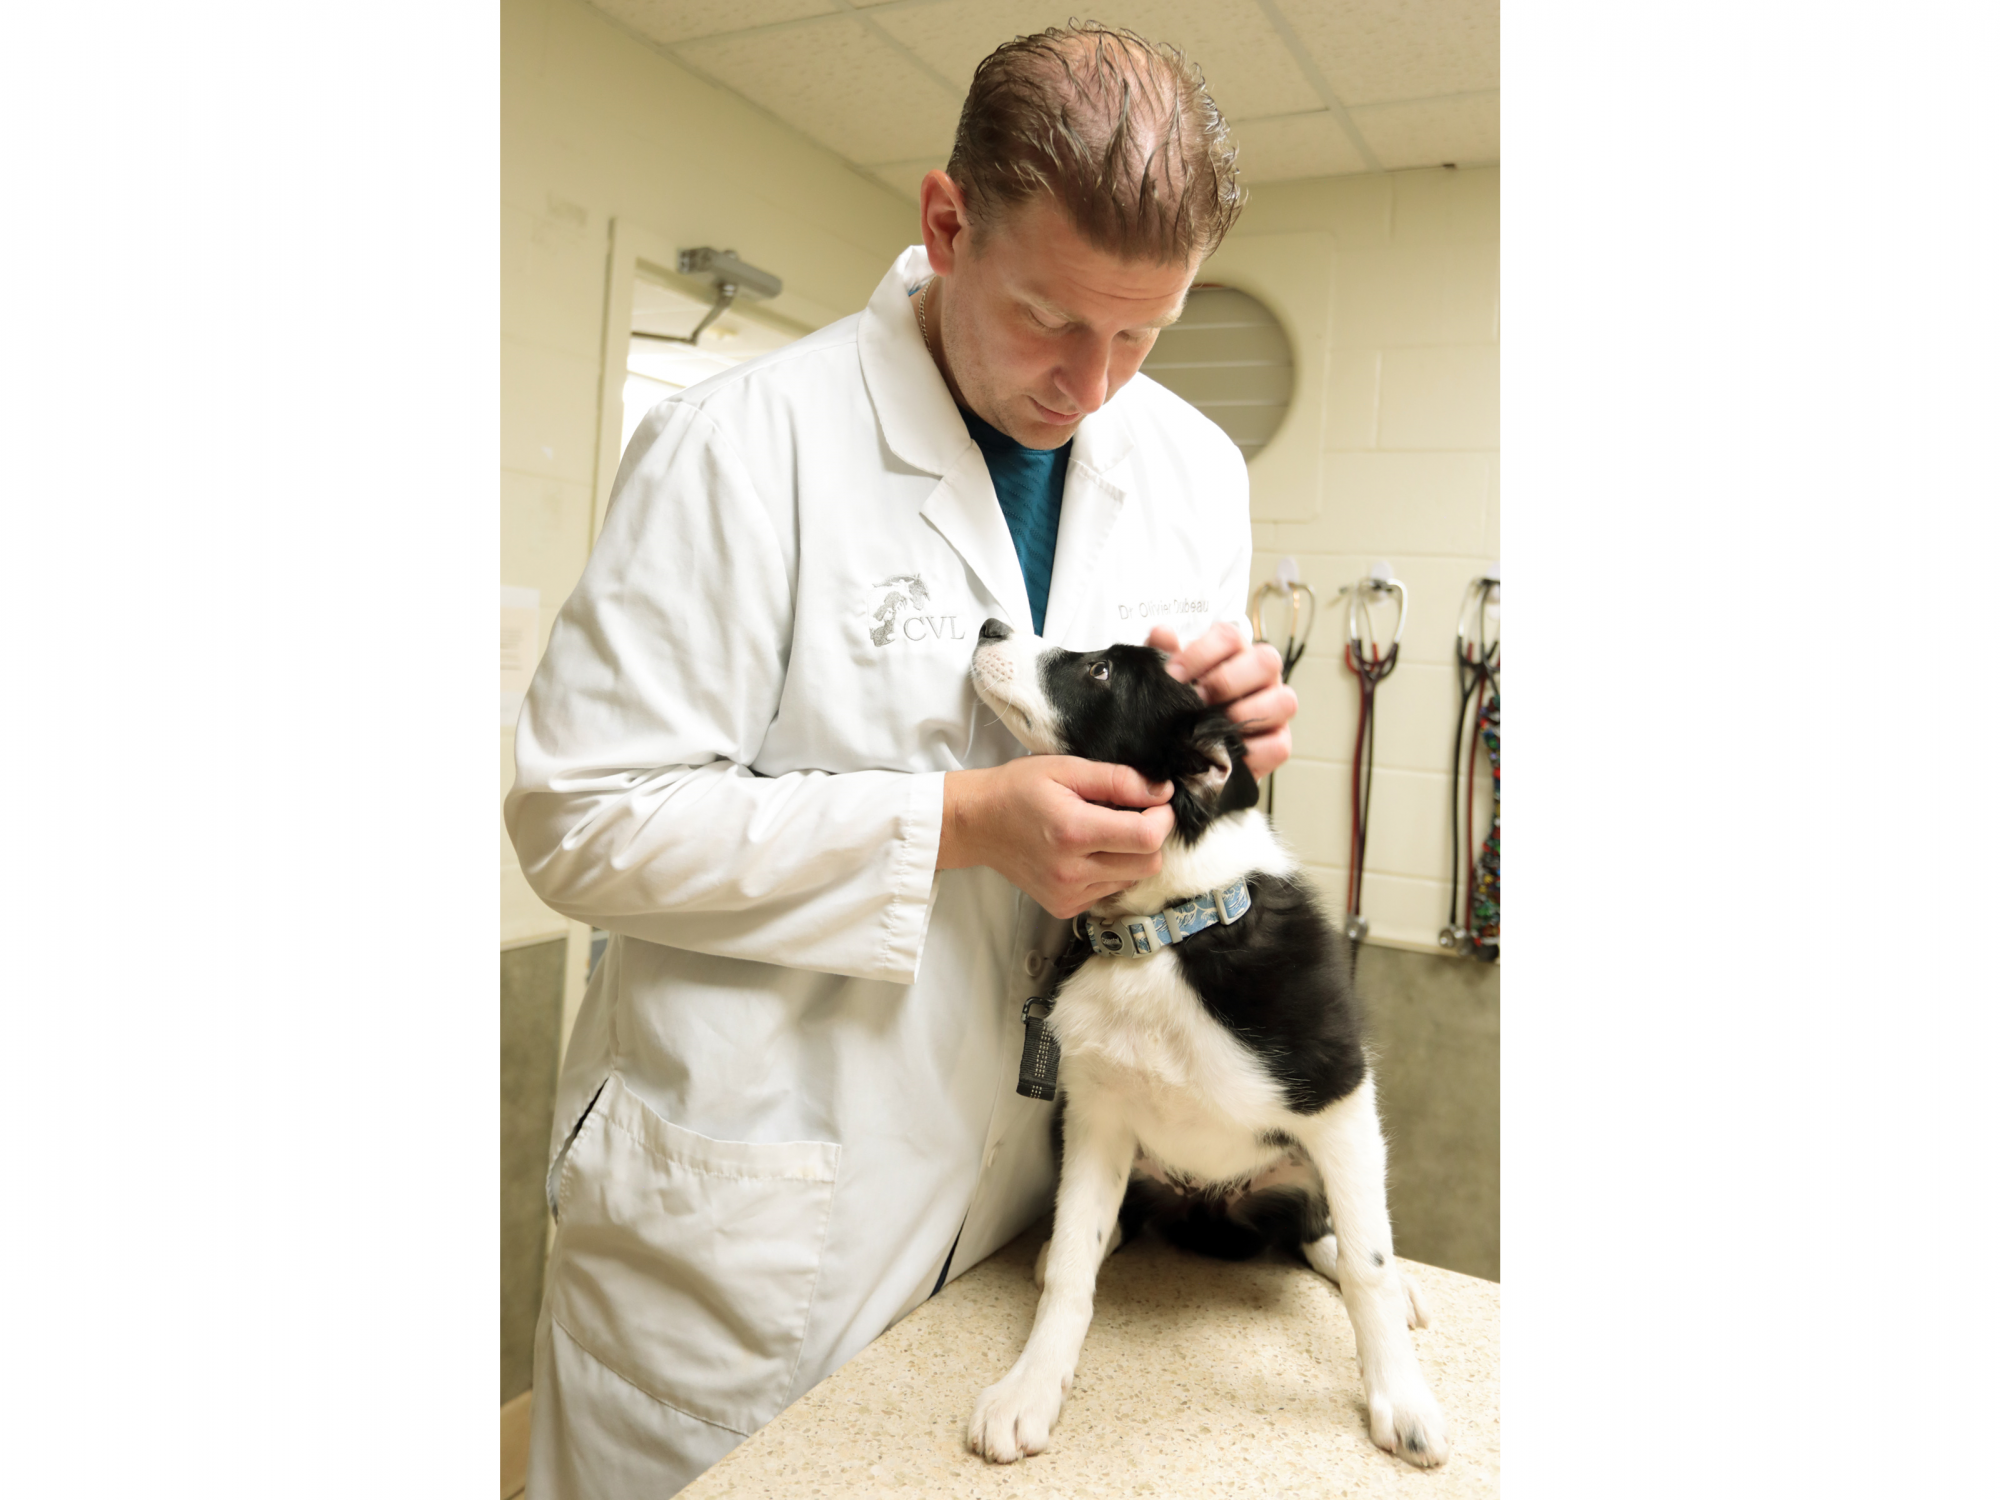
{"type": "Point", "coordinates": [1117, 705]}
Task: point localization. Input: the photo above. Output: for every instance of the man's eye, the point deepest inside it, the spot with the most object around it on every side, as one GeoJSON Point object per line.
{"type": "Point", "coordinates": [1101, 670]}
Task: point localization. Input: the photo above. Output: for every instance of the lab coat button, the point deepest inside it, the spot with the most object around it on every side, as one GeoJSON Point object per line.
{"type": "Point", "coordinates": [1035, 964]}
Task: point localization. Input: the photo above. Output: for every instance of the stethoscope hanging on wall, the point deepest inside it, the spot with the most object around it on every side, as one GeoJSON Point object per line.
{"type": "Point", "coordinates": [1474, 928]}
{"type": "Point", "coordinates": [1303, 607]}
{"type": "Point", "coordinates": [1371, 666]}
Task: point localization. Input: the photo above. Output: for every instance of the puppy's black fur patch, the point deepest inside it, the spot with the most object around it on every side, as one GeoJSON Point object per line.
{"type": "Point", "coordinates": [1120, 705]}
{"type": "Point", "coordinates": [1281, 979]}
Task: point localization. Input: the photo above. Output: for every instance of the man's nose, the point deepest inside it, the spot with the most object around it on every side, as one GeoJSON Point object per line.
{"type": "Point", "coordinates": [1086, 379]}
{"type": "Point", "coordinates": [995, 630]}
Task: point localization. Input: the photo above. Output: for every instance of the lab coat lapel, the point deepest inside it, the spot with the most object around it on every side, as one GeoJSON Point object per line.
{"type": "Point", "coordinates": [922, 427]}
{"type": "Point", "coordinates": [966, 513]}
{"type": "Point", "coordinates": [1093, 499]}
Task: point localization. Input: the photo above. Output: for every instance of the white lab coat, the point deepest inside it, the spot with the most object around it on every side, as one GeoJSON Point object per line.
{"type": "Point", "coordinates": [802, 1041]}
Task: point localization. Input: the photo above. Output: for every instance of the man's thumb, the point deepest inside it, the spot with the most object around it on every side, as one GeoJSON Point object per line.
{"type": "Point", "coordinates": [1102, 781]}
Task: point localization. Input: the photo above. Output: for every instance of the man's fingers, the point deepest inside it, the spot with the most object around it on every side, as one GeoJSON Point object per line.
{"type": "Point", "coordinates": [1162, 639]}
{"type": "Point", "coordinates": [1101, 781]}
{"type": "Point", "coordinates": [1107, 830]}
{"type": "Point", "coordinates": [1270, 709]}
{"type": "Point", "coordinates": [1201, 656]}
{"type": "Point", "coordinates": [1123, 868]}
{"type": "Point", "coordinates": [1081, 900]}
{"type": "Point", "coordinates": [1264, 753]}
{"type": "Point", "coordinates": [1248, 671]}
{"type": "Point", "coordinates": [1097, 893]}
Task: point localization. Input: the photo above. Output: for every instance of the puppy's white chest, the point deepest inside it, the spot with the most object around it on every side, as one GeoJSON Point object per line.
{"type": "Point", "coordinates": [1136, 1031]}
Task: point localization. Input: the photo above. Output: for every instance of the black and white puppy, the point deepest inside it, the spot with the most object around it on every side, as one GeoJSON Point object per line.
{"type": "Point", "coordinates": [1218, 1086]}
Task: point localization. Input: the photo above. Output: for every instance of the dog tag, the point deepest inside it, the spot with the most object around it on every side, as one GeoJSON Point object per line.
{"type": "Point", "coordinates": [1039, 1053]}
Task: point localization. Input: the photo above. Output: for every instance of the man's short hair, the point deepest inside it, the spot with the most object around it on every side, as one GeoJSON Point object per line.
{"type": "Point", "coordinates": [1119, 131]}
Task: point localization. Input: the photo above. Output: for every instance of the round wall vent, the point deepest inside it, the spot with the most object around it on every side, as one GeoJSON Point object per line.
{"type": "Point", "coordinates": [1229, 357]}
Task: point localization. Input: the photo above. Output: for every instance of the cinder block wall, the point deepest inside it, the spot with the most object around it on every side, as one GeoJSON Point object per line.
{"type": "Point", "coordinates": [1410, 473]}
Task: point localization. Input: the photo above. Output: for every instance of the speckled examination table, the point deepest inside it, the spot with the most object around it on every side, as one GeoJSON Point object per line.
{"type": "Point", "coordinates": [1198, 1378]}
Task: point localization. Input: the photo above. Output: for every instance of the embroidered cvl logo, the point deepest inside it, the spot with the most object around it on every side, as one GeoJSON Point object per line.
{"type": "Point", "coordinates": [900, 613]}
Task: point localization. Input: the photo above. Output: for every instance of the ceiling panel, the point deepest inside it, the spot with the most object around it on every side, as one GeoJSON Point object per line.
{"type": "Point", "coordinates": [1377, 50]}
{"type": "Point", "coordinates": [880, 82]}
{"type": "Point", "coordinates": [669, 21]}
{"type": "Point", "coordinates": [1249, 69]}
{"type": "Point", "coordinates": [1311, 145]}
{"type": "Point", "coordinates": [905, 176]}
{"type": "Point", "coordinates": [838, 82]}
{"type": "Point", "coordinates": [1431, 132]}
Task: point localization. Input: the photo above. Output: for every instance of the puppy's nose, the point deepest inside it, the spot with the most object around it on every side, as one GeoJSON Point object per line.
{"type": "Point", "coordinates": [995, 630]}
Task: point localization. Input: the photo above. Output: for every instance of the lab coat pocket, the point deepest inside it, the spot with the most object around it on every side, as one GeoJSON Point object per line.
{"type": "Point", "coordinates": [687, 1265]}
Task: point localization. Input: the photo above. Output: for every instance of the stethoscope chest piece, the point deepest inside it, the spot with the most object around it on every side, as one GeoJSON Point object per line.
{"type": "Point", "coordinates": [1303, 607]}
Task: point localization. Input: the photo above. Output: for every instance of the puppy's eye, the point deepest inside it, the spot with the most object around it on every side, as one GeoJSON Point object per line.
{"type": "Point", "coordinates": [1101, 670]}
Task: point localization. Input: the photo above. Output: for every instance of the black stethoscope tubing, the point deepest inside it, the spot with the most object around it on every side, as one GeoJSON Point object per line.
{"type": "Point", "coordinates": [1478, 672]}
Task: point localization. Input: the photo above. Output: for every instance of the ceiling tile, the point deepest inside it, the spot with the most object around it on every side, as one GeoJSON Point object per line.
{"type": "Point", "coordinates": [1431, 132]}
{"type": "Point", "coordinates": [905, 176]}
{"type": "Point", "coordinates": [1372, 51]}
{"type": "Point", "coordinates": [839, 83]}
{"type": "Point", "coordinates": [956, 35]}
{"type": "Point", "coordinates": [668, 21]}
{"type": "Point", "coordinates": [1249, 69]}
{"type": "Point", "coordinates": [1311, 145]}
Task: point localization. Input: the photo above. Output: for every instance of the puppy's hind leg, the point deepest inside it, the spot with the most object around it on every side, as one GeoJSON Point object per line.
{"type": "Point", "coordinates": [1323, 1255]}
{"type": "Point", "coordinates": [1012, 1417]}
{"type": "Point", "coordinates": [1345, 1143]}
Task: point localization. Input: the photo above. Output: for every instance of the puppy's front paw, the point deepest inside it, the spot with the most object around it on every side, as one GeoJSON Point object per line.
{"type": "Point", "coordinates": [1012, 1418]}
{"type": "Point", "coordinates": [1410, 1426]}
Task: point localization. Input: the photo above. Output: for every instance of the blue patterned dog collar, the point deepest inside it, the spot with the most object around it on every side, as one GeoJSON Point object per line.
{"type": "Point", "coordinates": [1139, 937]}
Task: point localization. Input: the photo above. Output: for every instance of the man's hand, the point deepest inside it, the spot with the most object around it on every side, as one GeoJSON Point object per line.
{"type": "Point", "coordinates": [1036, 821]}
{"type": "Point", "coordinates": [1249, 678]}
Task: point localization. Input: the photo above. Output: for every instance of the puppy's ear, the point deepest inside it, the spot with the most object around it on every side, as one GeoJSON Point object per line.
{"type": "Point", "coordinates": [1220, 741]}
{"type": "Point", "coordinates": [1210, 777]}
{"type": "Point", "coordinates": [1205, 758]}
{"type": "Point", "coordinates": [1240, 791]}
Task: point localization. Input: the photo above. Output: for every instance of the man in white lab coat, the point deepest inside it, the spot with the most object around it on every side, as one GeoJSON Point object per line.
{"type": "Point", "coordinates": [788, 1113]}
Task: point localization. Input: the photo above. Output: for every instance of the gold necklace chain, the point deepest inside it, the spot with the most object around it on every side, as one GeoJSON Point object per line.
{"type": "Point", "coordinates": [923, 328]}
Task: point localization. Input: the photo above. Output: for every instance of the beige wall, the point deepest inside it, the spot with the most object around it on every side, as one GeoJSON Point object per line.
{"type": "Point", "coordinates": [595, 126]}
{"type": "Point", "coordinates": [1408, 471]}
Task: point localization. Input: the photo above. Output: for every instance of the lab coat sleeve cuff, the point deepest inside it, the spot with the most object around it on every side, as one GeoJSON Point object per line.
{"type": "Point", "coordinates": [913, 879]}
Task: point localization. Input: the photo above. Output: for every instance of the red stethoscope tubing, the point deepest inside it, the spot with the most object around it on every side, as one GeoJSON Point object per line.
{"type": "Point", "coordinates": [1368, 673]}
